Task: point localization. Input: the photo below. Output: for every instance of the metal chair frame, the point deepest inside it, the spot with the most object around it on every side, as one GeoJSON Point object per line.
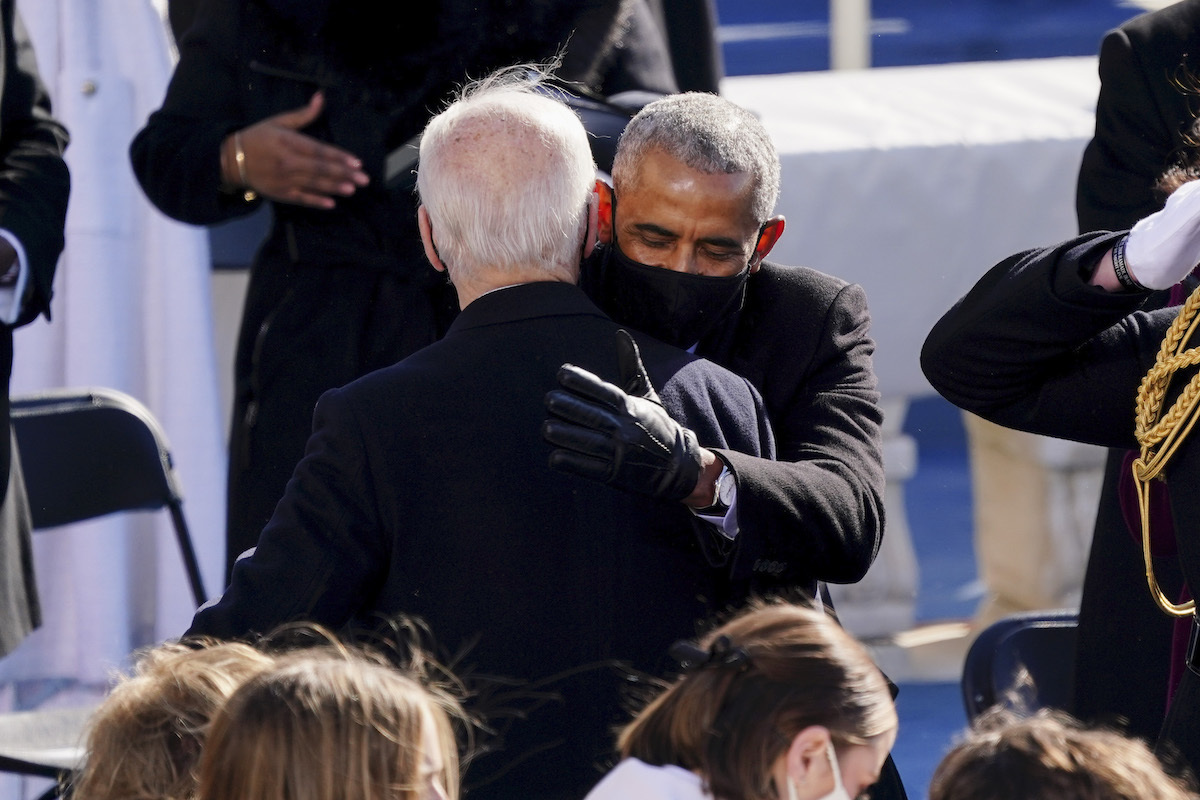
{"type": "Point", "coordinates": [86, 453]}
{"type": "Point", "coordinates": [1040, 644]}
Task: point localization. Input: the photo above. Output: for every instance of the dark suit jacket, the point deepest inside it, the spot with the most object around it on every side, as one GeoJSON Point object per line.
{"type": "Point", "coordinates": [1143, 114]}
{"type": "Point", "coordinates": [33, 205]}
{"type": "Point", "coordinates": [816, 511]}
{"type": "Point", "coordinates": [1033, 347]}
{"type": "Point", "coordinates": [426, 490]}
{"type": "Point", "coordinates": [802, 339]}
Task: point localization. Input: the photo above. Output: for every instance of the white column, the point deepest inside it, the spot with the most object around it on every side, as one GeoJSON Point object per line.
{"type": "Point", "coordinates": [849, 34]}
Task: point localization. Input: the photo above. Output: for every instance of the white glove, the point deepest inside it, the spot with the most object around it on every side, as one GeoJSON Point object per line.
{"type": "Point", "coordinates": [1164, 247]}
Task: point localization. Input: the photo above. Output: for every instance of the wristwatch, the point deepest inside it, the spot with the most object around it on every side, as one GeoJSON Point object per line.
{"type": "Point", "coordinates": [724, 494]}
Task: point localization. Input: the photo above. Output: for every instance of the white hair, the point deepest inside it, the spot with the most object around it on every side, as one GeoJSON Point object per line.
{"type": "Point", "coordinates": [706, 133]}
{"type": "Point", "coordinates": [505, 175]}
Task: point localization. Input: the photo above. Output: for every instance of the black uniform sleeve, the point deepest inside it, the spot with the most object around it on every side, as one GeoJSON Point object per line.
{"type": "Point", "coordinates": [818, 509]}
{"type": "Point", "coordinates": [1033, 347]}
{"type": "Point", "coordinates": [1132, 145]}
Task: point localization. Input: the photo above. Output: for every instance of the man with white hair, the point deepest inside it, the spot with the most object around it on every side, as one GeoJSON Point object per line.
{"type": "Point", "coordinates": [426, 488]}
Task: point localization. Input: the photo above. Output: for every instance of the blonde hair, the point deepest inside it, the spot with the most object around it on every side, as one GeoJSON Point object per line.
{"type": "Point", "coordinates": [144, 740]}
{"type": "Point", "coordinates": [1050, 756]}
{"type": "Point", "coordinates": [328, 725]}
{"type": "Point", "coordinates": [774, 670]}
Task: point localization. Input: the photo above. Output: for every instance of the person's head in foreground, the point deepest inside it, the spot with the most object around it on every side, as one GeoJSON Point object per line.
{"type": "Point", "coordinates": [144, 740]}
{"type": "Point", "coordinates": [332, 725]}
{"type": "Point", "coordinates": [507, 186]}
{"type": "Point", "coordinates": [779, 702]}
{"type": "Point", "coordinates": [1050, 756]}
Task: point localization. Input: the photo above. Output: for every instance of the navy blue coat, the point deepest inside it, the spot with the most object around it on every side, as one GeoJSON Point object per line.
{"type": "Point", "coordinates": [425, 489]}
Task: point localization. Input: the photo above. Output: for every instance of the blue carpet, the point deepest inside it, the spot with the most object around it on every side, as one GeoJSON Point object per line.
{"type": "Point", "coordinates": [939, 512]}
{"type": "Point", "coordinates": [939, 516]}
{"type": "Point", "coordinates": [931, 716]}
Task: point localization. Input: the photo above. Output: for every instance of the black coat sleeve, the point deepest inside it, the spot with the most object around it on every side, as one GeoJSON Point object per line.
{"type": "Point", "coordinates": [1132, 144]}
{"type": "Point", "coordinates": [34, 182]}
{"type": "Point", "coordinates": [817, 511]}
{"type": "Point", "coordinates": [1033, 347]}
{"type": "Point", "coordinates": [177, 154]}
{"type": "Point", "coordinates": [322, 556]}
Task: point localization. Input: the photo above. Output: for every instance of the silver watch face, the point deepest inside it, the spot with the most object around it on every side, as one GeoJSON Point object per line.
{"type": "Point", "coordinates": [726, 483]}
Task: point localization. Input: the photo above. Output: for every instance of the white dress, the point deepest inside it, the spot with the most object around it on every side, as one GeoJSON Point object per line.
{"type": "Point", "coordinates": [131, 311]}
{"type": "Point", "coordinates": [637, 779]}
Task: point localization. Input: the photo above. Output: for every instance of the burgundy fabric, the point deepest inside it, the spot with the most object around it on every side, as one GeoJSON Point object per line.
{"type": "Point", "coordinates": [1162, 535]}
{"type": "Point", "coordinates": [1162, 527]}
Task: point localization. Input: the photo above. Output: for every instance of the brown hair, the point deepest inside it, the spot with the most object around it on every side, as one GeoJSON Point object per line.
{"type": "Point", "coordinates": [1050, 756]}
{"type": "Point", "coordinates": [144, 740]}
{"type": "Point", "coordinates": [1175, 176]}
{"type": "Point", "coordinates": [778, 669]}
{"type": "Point", "coordinates": [328, 725]}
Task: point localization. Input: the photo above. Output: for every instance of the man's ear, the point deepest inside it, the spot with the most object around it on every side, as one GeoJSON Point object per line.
{"type": "Point", "coordinates": [426, 228]}
{"type": "Point", "coordinates": [593, 223]}
{"type": "Point", "coordinates": [768, 235]}
{"type": "Point", "coordinates": [606, 197]}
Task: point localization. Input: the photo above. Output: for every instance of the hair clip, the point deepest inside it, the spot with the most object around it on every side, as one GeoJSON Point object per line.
{"type": "Point", "coordinates": [720, 653]}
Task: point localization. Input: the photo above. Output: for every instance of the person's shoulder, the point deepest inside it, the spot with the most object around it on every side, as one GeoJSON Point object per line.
{"type": "Point", "coordinates": [1178, 22]}
{"type": "Point", "coordinates": [398, 382]}
{"type": "Point", "coordinates": [634, 778]}
{"type": "Point", "coordinates": [803, 279]}
{"type": "Point", "coordinates": [684, 378]}
{"type": "Point", "coordinates": [776, 286]}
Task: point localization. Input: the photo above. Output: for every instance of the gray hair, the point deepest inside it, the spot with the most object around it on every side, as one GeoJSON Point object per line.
{"type": "Point", "coordinates": [708, 134]}
{"type": "Point", "coordinates": [505, 175]}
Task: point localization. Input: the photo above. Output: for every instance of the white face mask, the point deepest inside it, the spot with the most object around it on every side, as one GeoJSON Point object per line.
{"type": "Point", "coordinates": [839, 791]}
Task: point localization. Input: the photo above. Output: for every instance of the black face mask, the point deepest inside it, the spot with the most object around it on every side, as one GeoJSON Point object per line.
{"type": "Point", "coordinates": [678, 308]}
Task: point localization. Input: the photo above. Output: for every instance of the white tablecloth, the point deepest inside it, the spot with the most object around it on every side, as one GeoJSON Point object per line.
{"type": "Point", "coordinates": [913, 181]}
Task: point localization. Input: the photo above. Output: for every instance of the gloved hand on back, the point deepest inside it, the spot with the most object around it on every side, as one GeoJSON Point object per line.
{"type": "Point", "coordinates": [621, 437]}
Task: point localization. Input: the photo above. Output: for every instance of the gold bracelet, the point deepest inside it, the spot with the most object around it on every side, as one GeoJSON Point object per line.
{"type": "Point", "coordinates": [239, 156]}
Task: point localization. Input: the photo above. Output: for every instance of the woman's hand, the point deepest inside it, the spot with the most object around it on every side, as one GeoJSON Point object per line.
{"type": "Point", "coordinates": [281, 163]}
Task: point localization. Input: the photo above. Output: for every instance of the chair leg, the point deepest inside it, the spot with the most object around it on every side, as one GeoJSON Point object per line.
{"type": "Point", "coordinates": [189, 554]}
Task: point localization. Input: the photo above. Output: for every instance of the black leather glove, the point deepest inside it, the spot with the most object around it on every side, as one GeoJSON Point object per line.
{"type": "Point", "coordinates": [623, 438]}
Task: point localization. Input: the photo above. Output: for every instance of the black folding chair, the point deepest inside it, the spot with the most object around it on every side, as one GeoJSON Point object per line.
{"type": "Point", "coordinates": [1025, 659]}
{"type": "Point", "coordinates": [86, 453]}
